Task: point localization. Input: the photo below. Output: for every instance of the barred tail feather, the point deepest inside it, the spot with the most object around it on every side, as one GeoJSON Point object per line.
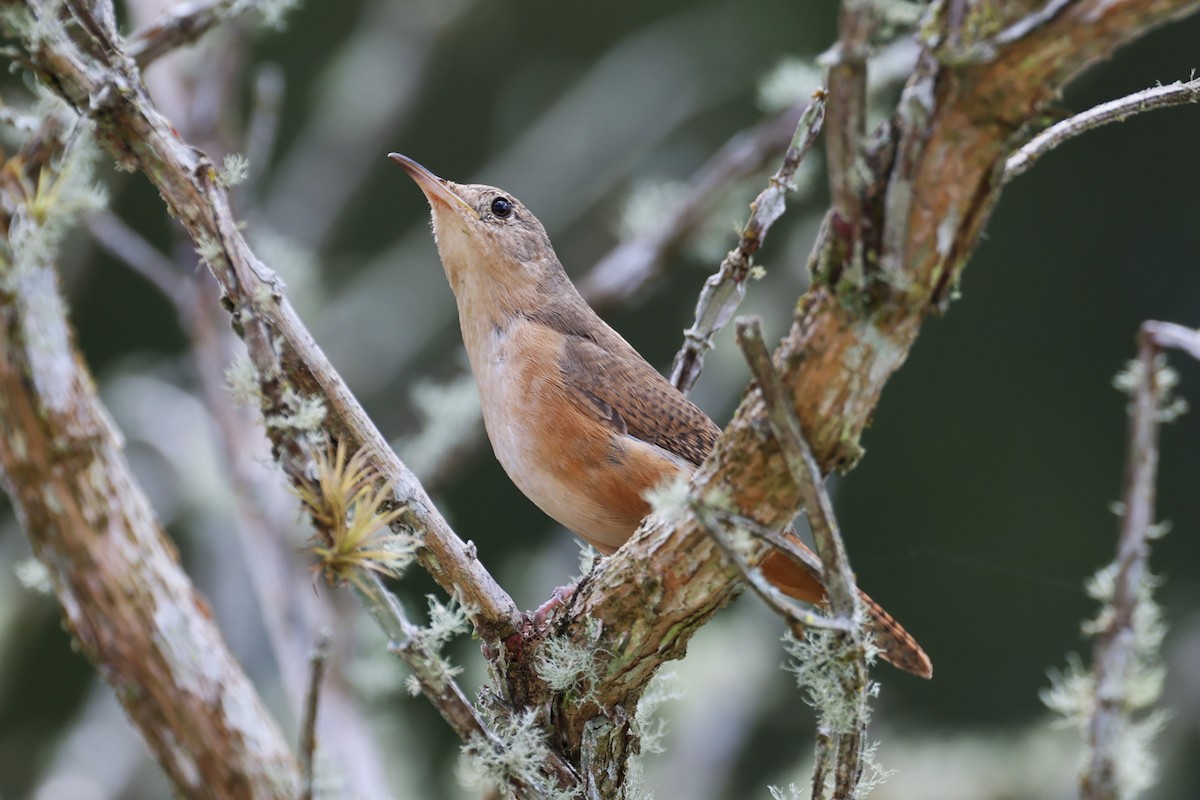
{"type": "Point", "coordinates": [896, 645]}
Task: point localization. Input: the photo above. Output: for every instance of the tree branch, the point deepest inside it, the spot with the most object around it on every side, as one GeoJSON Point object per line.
{"type": "Point", "coordinates": [308, 718]}
{"type": "Point", "coordinates": [724, 290]}
{"type": "Point", "coordinates": [124, 596]}
{"type": "Point", "coordinates": [1119, 110]}
{"type": "Point", "coordinates": [182, 24]}
{"type": "Point", "coordinates": [288, 361]}
{"type": "Point", "coordinates": [851, 332]}
{"type": "Point", "coordinates": [1121, 640]}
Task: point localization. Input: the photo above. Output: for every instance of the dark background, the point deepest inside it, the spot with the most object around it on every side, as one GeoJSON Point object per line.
{"type": "Point", "coordinates": [979, 510]}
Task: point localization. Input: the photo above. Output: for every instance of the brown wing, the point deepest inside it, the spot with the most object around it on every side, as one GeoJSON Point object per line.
{"type": "Point", "coordinates": [650, 408]}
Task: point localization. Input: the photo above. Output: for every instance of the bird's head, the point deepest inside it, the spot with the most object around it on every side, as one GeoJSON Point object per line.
{"type": "Point", "coordinates": [493, 249]}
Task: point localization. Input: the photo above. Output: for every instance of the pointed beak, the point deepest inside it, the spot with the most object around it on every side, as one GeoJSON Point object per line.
{"type": "Point", "coordinates": [437, 190]}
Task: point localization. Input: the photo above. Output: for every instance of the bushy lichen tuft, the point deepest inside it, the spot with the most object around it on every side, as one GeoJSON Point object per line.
{"type": "Point", "coordinates": [33, 575]}
{"type": "Point", "coordinates": [819, 662]}
{"type": "Point", "coordinates": [1170, 405]}
{"type": "Point", "coordinates": [234, 170]}
{"type": "Point", "coordinates": [517, 754]}
{"type": "Point", "coordinates": [565, 665]}
{"type": "Point", "coordinates": [651, 728]}
{"type": "Point", "coordinates": [668, 497]}
{"type": "Point", "coordinates": [241, 381]}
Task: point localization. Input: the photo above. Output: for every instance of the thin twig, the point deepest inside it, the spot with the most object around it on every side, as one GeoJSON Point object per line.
{"type": "Point", "coordinates": [263, 130]}
{"type": "Point", "coordinates": [308, 720]}
{"type": "Point", "coordinates": [625, 269]}
{"type": "Point", "coordinates": [724, 290]}
{"type": "Point", "coordinates": [628, 267]}
{"type": "Point", "coordinates": [823, 764]}
{"type": "Point", "coordinates": [182, 24]}
{"type": "Point", "coordinates": [439, 687]}
{"type": "Point", "coordinates": [1175, 94]}
{"type": "Point", "coordinates": [1116, 650]}
{"type": "Point", "coordinates": [715, 521]}
{"type": "Point", "coordinates": [837, 577]}
{"type": "Point", "coordinates": [126, 245]}
{"type": "Point", "coordinates": [1169, 334]}
{"type": "Point", "coordinates": [849, 764]}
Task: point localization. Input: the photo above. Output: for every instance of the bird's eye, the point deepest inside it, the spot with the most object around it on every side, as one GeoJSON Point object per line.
{"type": "Point", "coordinates": [502, 207]}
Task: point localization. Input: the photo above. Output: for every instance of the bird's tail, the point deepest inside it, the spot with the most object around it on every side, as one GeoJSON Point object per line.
{"type": "Point", "coordinates": [896, 645]}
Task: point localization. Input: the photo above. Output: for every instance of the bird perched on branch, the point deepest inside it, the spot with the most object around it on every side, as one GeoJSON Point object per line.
{"type": "Point", "coordinates": [582, 424]}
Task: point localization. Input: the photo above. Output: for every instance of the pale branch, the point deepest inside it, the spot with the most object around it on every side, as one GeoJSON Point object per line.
{"type": "Point", "coordinates": [90, 523]}
{"type": "Point", "coordinates": [626, 269]}
{"type": "Point", "coordinates": [724, 289]}
{"type": "Point", "coordinates": [181, 24]}
{"type": "Point", "coordinates": [107, 88]}
{"type": "Point", "coordinates": [308, 719]}
{"type": "Point", "coordinates": [1116, 650]}
{"type": "Point", "coordinates": [1175, 94]}
{"type": "Point", "coordinates": [1169, 334]}
{"type": "Point", "coordinates": [126, 245]}
{"type": "Point", "coordinates": [436, 682]}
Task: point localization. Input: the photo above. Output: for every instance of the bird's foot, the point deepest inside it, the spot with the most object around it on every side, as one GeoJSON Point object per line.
{"type": "Point", "coordinates": [558, 599]}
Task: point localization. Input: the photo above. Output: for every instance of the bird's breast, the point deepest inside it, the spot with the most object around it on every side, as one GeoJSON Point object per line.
{"type": "Point", "coordinates": [573, 466]}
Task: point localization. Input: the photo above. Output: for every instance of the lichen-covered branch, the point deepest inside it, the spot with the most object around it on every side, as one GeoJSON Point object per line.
{"type": "Point", "coordinates": [724, 289]}
{"type": "Point", "coordinates": [125, 598]}
{"type": "Point", "coordinates": [188, 22]}
{"type": "Point", "coordinates": [1128, 631]}
{"type": "Point", "coordinates": [434, 679]}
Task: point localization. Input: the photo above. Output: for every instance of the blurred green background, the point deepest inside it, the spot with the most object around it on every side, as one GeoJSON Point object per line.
{"type": "Point", "coordinates": [979, 510]}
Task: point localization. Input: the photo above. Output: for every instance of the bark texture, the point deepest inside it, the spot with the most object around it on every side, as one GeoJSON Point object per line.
{"type": "Point", "coordinates": [125, 598]}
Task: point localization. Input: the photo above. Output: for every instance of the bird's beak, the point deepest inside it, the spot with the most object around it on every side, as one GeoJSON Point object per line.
{"type": "Point", "coordinates": [437, 190]}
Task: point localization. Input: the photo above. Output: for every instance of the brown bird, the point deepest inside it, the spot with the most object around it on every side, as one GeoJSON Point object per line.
{"type": "Point", "coordinates": [582, 424]}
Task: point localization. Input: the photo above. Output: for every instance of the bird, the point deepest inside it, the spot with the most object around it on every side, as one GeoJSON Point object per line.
{"type": "Point", "coordinates": [579, 420]}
